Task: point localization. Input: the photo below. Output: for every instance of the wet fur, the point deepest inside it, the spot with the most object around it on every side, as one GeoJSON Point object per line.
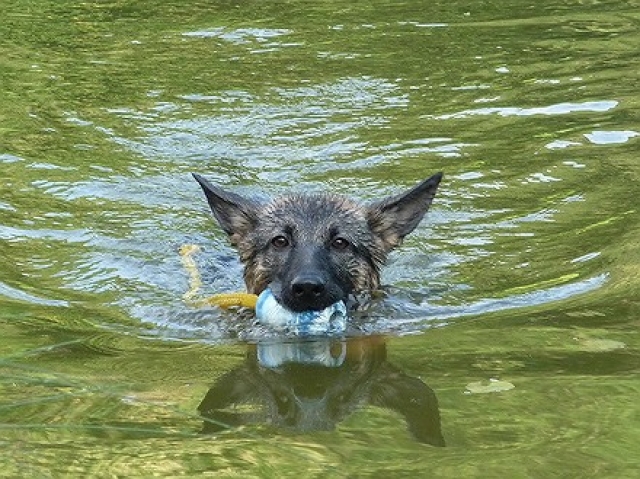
{"type": "Point", "coordinates": [311, 223]}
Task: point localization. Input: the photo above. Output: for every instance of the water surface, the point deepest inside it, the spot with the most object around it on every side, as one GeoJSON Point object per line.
{"type": "Point", "coordinates": [510, 333]}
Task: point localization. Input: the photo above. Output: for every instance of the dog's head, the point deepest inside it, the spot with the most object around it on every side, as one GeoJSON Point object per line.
{"type": "Point", "coordinates": [313, 250]}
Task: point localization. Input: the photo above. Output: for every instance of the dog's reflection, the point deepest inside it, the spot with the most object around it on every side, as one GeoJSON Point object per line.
{"type": "Point", "coordinates": [313, 385]}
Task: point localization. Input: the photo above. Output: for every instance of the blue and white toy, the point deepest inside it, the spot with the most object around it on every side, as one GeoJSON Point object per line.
{"type": "Point", "coordinates": [331, 320]}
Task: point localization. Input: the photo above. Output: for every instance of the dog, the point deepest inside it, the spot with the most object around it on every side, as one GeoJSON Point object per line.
{"type": "Point", "coordinates": [313, 250]}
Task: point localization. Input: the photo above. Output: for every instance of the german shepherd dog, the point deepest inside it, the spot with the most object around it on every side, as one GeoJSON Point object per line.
{"type": "Point", "coordinates": [313, 250]}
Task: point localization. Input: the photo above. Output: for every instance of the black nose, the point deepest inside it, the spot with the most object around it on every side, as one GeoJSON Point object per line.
{"type": "Point", "coordinates": [308, 287]}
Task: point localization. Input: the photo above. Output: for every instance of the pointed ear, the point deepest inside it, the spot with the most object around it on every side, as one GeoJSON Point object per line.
{"type": "Point", "coordinates": [235, 214]}
{"type": "Point", "coordinates": [393, 218]}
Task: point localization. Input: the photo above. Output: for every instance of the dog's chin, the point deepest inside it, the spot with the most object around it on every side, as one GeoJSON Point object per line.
{"type": "Point", "coordinates": [299, 307]}
{"type": "Point", "coordinates": [293, 304]}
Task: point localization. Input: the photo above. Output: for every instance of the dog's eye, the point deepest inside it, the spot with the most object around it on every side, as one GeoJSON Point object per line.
{"type": "Point", "coordinates": [340, 243]}
{"type": "Point", "coordinates": [280, 242]}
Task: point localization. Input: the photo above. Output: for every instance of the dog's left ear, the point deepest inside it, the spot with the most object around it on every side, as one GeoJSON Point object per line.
{"type": "Point", "coordinates": [235, 214]}
{"type": "Point", "coordinates": [393, 218]}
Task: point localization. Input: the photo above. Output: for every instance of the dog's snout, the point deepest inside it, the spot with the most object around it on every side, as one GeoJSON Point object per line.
{"type": "Point", "coordinates": [308, 287]}
{"type": "Point", "coordinates": [309, 281]}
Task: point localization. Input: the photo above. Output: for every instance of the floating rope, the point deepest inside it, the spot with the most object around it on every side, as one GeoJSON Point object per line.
{"type": "Point", "coordinates": [222, 300]}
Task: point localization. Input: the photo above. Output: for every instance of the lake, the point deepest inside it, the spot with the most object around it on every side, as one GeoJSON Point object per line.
{"type": "Point", "coordinates": [509, 334]}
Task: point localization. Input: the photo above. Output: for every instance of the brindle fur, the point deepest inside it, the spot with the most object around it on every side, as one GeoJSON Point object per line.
{"type": "Point", "coordinates": [311, 224]}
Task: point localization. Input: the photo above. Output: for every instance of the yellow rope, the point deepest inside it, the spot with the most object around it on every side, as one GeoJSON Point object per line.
{"type": "Point", "coordinates": [195, 280]}
{"type": "Point", "coordinates": [222, 300]}
{"type": "Point", "coordinates": [229, 300]}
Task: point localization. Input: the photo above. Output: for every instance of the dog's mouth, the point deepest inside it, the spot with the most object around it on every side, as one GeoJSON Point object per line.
{"type": "Point", "coordinates": [306, 299]}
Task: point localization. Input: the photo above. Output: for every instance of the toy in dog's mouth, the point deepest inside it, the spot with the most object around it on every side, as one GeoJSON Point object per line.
{"type": "Point", "coordinates": [330, 320]}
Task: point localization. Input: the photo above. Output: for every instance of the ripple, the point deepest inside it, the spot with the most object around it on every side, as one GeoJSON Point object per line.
{"type": "Point", "coordinates": [239, 36]}
{"type": "Point", "coordinates": [557, 109]}
{"type": "Point", "coordinates": [599, 137]}
{"type": "Point", "coordinates": [533, 298]}
{"type": "Point", "coordinates": [20, 295]}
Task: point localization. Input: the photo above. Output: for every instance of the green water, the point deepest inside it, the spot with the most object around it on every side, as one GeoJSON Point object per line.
{"type": "Point", "coordinates": [516, 302]}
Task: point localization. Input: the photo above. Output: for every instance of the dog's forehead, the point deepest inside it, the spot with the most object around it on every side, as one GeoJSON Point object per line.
{"type": "Point", "coordinates": [315, 211]}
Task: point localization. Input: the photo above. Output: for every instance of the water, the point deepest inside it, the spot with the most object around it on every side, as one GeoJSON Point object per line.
{"type": "Point", "coordinates": [514, 306]}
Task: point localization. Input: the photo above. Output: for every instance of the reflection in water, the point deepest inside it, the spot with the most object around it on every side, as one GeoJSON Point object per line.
{"type": "Point", "coordinates": [314, 385]}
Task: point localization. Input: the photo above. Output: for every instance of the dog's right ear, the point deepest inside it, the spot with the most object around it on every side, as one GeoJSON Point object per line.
{"type": "Point", "coordinates": [235, 214]}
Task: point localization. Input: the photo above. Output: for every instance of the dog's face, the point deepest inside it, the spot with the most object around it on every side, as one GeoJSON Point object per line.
{"type": "Point", "coordinates": [314, 250]}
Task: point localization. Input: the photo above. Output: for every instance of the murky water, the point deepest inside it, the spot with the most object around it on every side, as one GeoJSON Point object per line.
{"type": "Point", "coordinates": [510, 333]}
